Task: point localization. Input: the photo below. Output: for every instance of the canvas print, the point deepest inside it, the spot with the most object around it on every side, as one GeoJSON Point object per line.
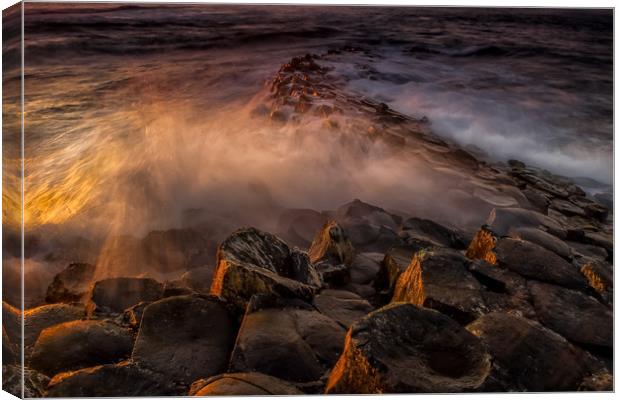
{"type": "Point", "coordinates": [211, 199]}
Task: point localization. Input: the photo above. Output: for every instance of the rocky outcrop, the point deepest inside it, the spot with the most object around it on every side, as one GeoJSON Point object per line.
{"type": "Point", "coordinates": [331, 245]}
{"type": "Point", "coordinates": [425, 233]}
{"type": "Point", "coordinates": [439, 279]}
{"type": "Point", "coordinates": [342, 306]}
{"type": "Point", "coordinates": [291, 342]}
{"type": "Point", "coordinates": [365, 267]}
{"type": "Point", "coordinates": [79, 344]}
{"type": "Point", "coordinates": [402, 348]}
{"type": "Point", "coordinates": [243, 384]}
{"type": "Point", "coordinates": [71, 285]}
{"type": "Point", "coordinates": [185, 337]}
{"type": "Point", "coordinates": [502, 220]}
{"type": "Point", "coordinates": [253, 262]}
{"type": "Point", "coordinates": [572, 314]}
{"type": "Point", "coordinates": [395, 262]}
{"type": "Point", "coordinates": [527, 356]}
{"type": "Point", "coordinates": [37, 319]}
{"type": "Point", "coordinates": [199, 279]}
{"type": "Point", "coordinates": [110, 380]}
{"type": "Point", "coordinates": [114, 295]}
{"type": "Point", "coordinates": [32, 384]}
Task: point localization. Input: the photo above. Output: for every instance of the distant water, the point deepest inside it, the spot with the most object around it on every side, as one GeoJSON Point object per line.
{"type": "Point", "coordinates": [103, 81]}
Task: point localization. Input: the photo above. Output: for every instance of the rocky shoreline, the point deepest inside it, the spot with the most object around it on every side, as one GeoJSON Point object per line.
{"type": "Point", "coordinates": [354, 300]}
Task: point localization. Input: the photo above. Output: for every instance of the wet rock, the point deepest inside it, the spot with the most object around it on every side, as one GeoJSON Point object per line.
{"type": "Point", "coordinates": [533, 261]}
{"type": "Point", "coordinates": [427, 233]}
{"type": "Point", "coordinates": [185, 337]}
{"type": "Point", "coordinates": [252, 262]}
{"type": "Point", "coordinates": [71, 285]}
{"type": "Point", "coordinates": [365, 267]}
{"type": "Point", "coordinates": [243, 384]}
{"type": "Point", "coordinates": [527, 356]}
{"type": "Point", "coordinates": [114, 295]}
{"type": "Point", "coordinates": [542, 239]}
{"type": "Point", "coordinates": [342, 306]}
{"type": "Point", "coordinates": [501, 220]}
{"type": "Point", "coordinates": [79, 344]}
{"type": "Point", "coordinates": [332, 245]}
{"type": "Point", "coordinates": [439, 279]}
{"type": "Point", "coordinates": [299, 226]}
{"type": "Point", "coordinates": [601, 381]}
{"type": "Point", "coordinates": [295, 344]}
{"type": "Point", "coordinates": [395, 262]}
{"type": "Point", "coordinates": [402, 348]}
{"type": "Point", "coordinates": [12, 322]}
{"type": "Point", "coordinates": [37, 319]}
{"type": "Point", "coordinates": [574, 315]}
{"type": "Point", "coordinates": [600, 278]}
{"type": "Point", "coordinates": [199, 279]}
{"type": "Point", "coordinates": [111, 380]}
{"type": "Point", "coordinates": [34, 382]}
{"type": "Point", "coordinates": [176, 249]}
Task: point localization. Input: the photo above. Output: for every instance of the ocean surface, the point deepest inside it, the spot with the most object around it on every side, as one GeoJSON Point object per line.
{"type": "Point", "coordinates": [138, 113]}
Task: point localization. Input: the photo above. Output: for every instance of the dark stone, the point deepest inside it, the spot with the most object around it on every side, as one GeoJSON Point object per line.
{"type": "Point", "coordinates": [395, 262]}
{"type": "Point", "coordinates": [71, 285]}
{"type": "Point", "coordinates": [364, 268]}
{"type": "Point", "coordinates": [532, 261]}
{"type": "Point", "coordinates": [501, 220]}
{"type": "Point", "coordinates": [543, 239]}
{"type": "Point", "coordinates": [539, 200]}
{"type": "Point", "coordinates": [185, 337]}
{"type": "Point", "coordinates": [124, 379]}
{"type": "Point", "coordinates": [33, 383]}
{"type": "Point", "coordinates": [332, 245]}
{"type": "Point", "coordinates": [175, 288]}
{"type": "Point", "coordinates": [574, 315]}
{"type": "Point", "coordinates": [299, 226]}
{"type": "Point", "coordinates": [80, 344]}
{"type": "Point", "coordinates": [342, 306]}
{"type": "Point", "coordinates": [37, 319]}
{"type": "Point", "coordinates": [199, 279]}
{"type": "Point", "coordinates": [294, 344]}
{"type": "Point", "coordinates": [402, 348]}
{"type": "Point", "coordinates": [427, 233]}
{"type": "Point", "coordinates": [114, 295]}
{"type": "Point", "coordinates": [243, 384]}
{"type": "Point", "coordinates": [9, 350]}
{"type": "Point", "coordinates": [527, 356]}
{"type": "Point", "coordinates": [253, 262]}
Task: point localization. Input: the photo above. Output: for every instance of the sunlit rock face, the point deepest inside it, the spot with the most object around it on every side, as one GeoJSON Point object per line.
{"type": "Point", "coordinates": [434, 354]}
{"type": "Point", "coordinates": [243, 384]}
{"type": "Point", "coordinates": [253, 262]}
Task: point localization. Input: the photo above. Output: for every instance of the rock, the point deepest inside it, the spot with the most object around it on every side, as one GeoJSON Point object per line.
{"type": "Point", "coordinates": [12, 322]}
{"type": "Point", "coordinates": [132, 316]}
{"type": "Point", "coordinates": [39, 318]}
{"type": "Point", "coordinates": [439, 279]}
{"type": "Point", "coordinates": [333, 274]}
{"type": "Point", "coordinates": [567, 208]}
{"type": "Point", "coordinates": [374, 214]}
{"type": "Point", "coordinates": [367, 237]}
{"type": "Point", "coordinates": [600, 278]}
{"type": "Point", "coordinates": [527, 356]}
{"type": "Point", "coordinates": [581, 250]}
{"type": "Point", "coordinates": [525, 258]}
{"type": "Point", "coordinates": [572, 314]}
{"type": "Point", "coordinates": [364, 291]}
{"type": "Point", "coordinates": [175, 288]}
{"type": "Point", "coordinates": [395, 262]}
{"type": "Point", "coordinates": [243, 384]}
{"type": "Point", "coordinates": [79, 344]}
{"type": "Point", "coordinates": [426, 233]}
{"type": "Point", "coordinates": [176, 249]}
{"type": "Point", "coordinates": [543, 239]}
{"type": "Point", "coordinates": [516, 164]}
{"type": "Point", "coordinates": [600, 239]}
{"type": "Point", "coordinates": [114, 295]}
{"type": "Point", "coordinates": [293, 344]}
{"type": "Point", "coordinates": [33, 383]}
{"type": "Point", "coordinates": [605, 199]}
{"type": "Point", "coordinates": [501, 220]}
{"type": "Point", "coordinates": [299, 226]}
{"type": "Point", "coordinates": [332, 245]}
{"type": "Point", "coordinates": [124, 379]}
{"type": "Point", "coordinates": [402, 348]}
{"type": "Point", "coordinates": [539, 200]}
{"type": "Point", "coordinates": [199, 279]}
{"type": "Point", "coordinates": [342, 306]}
{"type": "Point", "coordinates": [9, 350]}
{"type": "Point", "coordinates": [364, 268]}
{"type": "Point", "coordinates": [185, 337]}
{"type": "Point", "coordinates": [252, 262]}
{"type": "Point", "coordinates": [601, 381]}
{"type": "Point", "coordinates": [71, 285]}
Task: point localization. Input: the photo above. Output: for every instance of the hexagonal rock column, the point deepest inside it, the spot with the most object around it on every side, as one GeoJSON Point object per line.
{"type": "Point", "coordinates": [402, 348]}
{"type": "Point", "coordinates": [185, 337]}
{"type": "Point", "coordinates": [253, 262]}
